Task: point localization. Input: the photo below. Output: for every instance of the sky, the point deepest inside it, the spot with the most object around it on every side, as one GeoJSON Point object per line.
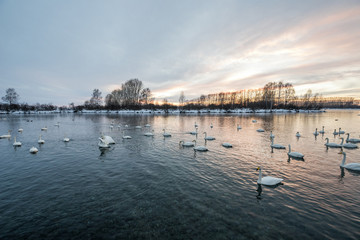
{"type": "Point", "coordinates": [58, 51]}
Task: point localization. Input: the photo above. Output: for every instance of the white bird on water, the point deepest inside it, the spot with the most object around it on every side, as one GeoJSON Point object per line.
{"type": "Point", "coordinates": [227, 145]}
{"type": "Point", "coordinates": [268, 180]}
{"type": "Point", "coordinates": [208, 137]}
{"type": "Point", "coordinates": [41, 141]}
{"type": "Point", "coordinates": [107, 139]}
{"type": "Point", "coordinates": [149, 134]}
{"type": "Point", "coordinates": [352, 140]}
{"type": "Point", "coordinates": [187, 144]}
{"type": "Point", "coordinates": [298, 134]}
{"type": "Point", "coordinates": [331, 144]}
{"type": "Point", "coordinates": [348, 145]}
{"type": "Point", "coordinates": [16, 144]}
{"type": "Point", "coordinates": [277, 146]}
{"type": "Point", "coordinates": [33, 150]}
{"type": "Point", "coordinates": [272, 135]}
{"type": "Point", "coordinates": [295, 154]}
{"type": "Point", "coordinates": [125, 136]}
{"type": "Point", "coordinates": [341, 132]}
{"type": "Point", "coordinates": [322, 131]}
{"type": "Point", "coordinates": [316, 132]}
{"type": "Point", "coordinates": [238, 127]}
{"type": "Point", "coordinates": [194, 133]}
{"type": "Point", "coordinates": [165, 134]}
{"type": "Point", "coordinates": [335, 132]}
{"type": "Point", "coordinates": [6, 135]}
{"type": "Point", "coordinates": [20, 130]}
{"type": "Point", "coordinates": [349, 166]}
{"type": "Point", "coordinates": [200, 148]}
{"type": "Point", "coordinates": [102, 143]}
{"type": "Point", "coordinates": [44, 128]}
{"type": "Point", "coordinates": [260, 130]}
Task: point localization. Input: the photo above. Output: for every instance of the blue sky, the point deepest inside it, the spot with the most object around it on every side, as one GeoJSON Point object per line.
{"type": "Point", "coordinates": [59, 51]}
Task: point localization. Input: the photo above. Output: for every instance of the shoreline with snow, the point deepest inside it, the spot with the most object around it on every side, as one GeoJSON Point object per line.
{"type": "Point", "coordinates": [168, 112]}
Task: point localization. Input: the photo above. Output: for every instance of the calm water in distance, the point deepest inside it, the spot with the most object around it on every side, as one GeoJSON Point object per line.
{"type": "Point", "coordinates": [150, 188]}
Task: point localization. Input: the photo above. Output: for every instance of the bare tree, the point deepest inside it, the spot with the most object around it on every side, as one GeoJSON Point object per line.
{"type": "Point", "coordinates": [96, 99]}
{"type": "Point", "coordinates": [182, 99]}
{"type": "Point", "coordinates": [11, 96]}
{"type": "Point", "coordinates": [145, 95]}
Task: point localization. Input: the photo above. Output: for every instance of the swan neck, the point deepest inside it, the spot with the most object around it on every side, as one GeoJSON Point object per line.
{"type": "Point", "coordinates": [342, 141]}
{"type": "Point", "coordinates": [289, 148]}
{"type": "Point", "coordinates": [343, 160]}
{"type": "Point", "coordinates": [260, 176]}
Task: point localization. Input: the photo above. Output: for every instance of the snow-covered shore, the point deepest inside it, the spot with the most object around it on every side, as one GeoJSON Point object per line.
{"type": "Point", "coordinates": [170, 111]}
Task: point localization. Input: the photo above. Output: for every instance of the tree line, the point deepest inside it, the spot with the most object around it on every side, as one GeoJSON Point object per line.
{"type": "Point", "coordinates": [133, 95]}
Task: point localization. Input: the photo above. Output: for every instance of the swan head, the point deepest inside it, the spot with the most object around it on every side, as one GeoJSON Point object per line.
{"type": "Point", "coordinates": [258, 168]}
{"type": "Point", "coordinates": [194, 141]}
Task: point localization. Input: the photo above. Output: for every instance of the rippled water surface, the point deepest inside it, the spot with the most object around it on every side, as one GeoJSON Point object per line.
{"type": "Point", "coordinates": [150, 188]}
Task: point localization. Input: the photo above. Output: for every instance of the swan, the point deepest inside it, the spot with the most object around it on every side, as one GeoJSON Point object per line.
{"type": "Point", "coordinates": [272, 135]}
{"type": "Point", "coordinates": [57, 124]}
{"type": "Point", "coordinates": [165, 134]}
{"type": "Point", "coordinates": [102, 143]}
{"type": "Point", "coordinates": [196, 125]}
{"type": "Point", "coordinates": [316, 132]}
{"type": "Point", "coordinates": [149, 134]}
{"type": "Point", "coordinates": [187, 144]}
{"type": "Point", "coordinates": [254, 121]}
{"type": "Point", "coordinates": [349, 166]}
{"type": "Point", "coordinates": [41, 141]}
{"type": "Point", "coordinates": [200, 148]}
{"type": "Point", "coordinates": [147, 125]}
{"type": "Point", "coordinates": [332, 144]}
{"type": "Point", "coordinates": [335, 132]}
{"type": "Point", "coordinates": [33, 150]}
{"type": "Point", "coordinates": [138, 127]}
{"type": "Point", "coordinates": [238, 127]}
{"type": "Point", "coordinates": [125, 137]}
{"type": "Point", "coordinates": [227, 145]}
{"type": "Point", "coordinates": [352, 140]}
{"type": "Point", "coordinates": [208, 137]}
{"type": "Point", "coordinates": [268, 180]}
{"type": "Point", "coordinates": [298, 134]}
{"type": "Point", "coordinates": [260, 130]}
{"type": "Point", "coordinates": [20, 130]}
{"type": "Point", "coordinates": [295, 154]}
{"type": "Point", "coordinates": [322, 131]}
{"type": "Point", "coordinates": [6, 135]}
{"type": "Point", "coordinates": [277, 146]}
{"type": "Point", "coordinates": [111, 127]}
{"type": "Point", "coordinates": [16, 144]}
{"type": "Point", "coordinates": [211, 125]}
{"type": "Point", "coordinates": [348, 145]}
{"type": "Point", "coordinates": [341, 132]}
{"type": "Point", "coordinates": [107, 139]}
{"type": "Point", "coordinates": [44, 128]}
{"type": "Point", "coordinates": [66, 139]}
{"type": "Point", "coordinates": [194, 133]}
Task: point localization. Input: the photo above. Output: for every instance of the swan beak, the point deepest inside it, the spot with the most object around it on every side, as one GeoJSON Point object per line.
{"type": "Point", "coordinates": [341, 152]}
{"type": "Point", "coordinates": [258, 169]}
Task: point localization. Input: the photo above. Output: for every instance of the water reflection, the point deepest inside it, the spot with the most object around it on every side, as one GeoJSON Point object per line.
{"type": "Point", "coordinates": [259, 191]}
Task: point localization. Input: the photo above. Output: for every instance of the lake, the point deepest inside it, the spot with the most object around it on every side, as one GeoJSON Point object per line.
{"type": "Point", "coordinates": [151, 188]}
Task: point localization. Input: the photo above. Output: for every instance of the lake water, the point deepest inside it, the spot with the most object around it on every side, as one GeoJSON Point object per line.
{"type": "Point", "coordinates": [150, 188]}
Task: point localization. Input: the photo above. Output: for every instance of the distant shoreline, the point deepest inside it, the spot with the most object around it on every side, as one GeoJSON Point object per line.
{"type": "Point", "coordinates": [169, 112]}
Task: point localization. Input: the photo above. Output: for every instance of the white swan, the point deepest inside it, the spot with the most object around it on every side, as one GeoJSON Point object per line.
{"type": "Point", "coordinates": [41, 141]}
{"type": "Point", "coordinates": [295, 154]}
{"type": "Point", "coordinates": [254, 121]}
{"type": "Point", "coordinates": [298, 134]}
{"type": "Point", "coordinates": [200, 148]}
{"type": "Point", "coordinates": [335, 132]}
{"type": "Point", "coordinates": [238, 127]}
{"type": "Point", "coordinates": [187, 144]}
{"type": "Point", "coordinates": [147, 125]}
{"type": "Point", "coordinates": [124, 136]}
{"type": "Point", "coordinates": [194, 133]}
{"type": "Point", "coordinates": [138, 127]}
{"type": "Point", "coordinates": [350, 166]}
{"type": "Point", "coordinates": [277, 146]}
{"type": "Point", "coordinates": [102, 143]}
{"type": "Point", "coordinates": [33, 150]}
{"type": "Point", "coordinates": [16, 144]}
{"type": "Point", "coordinates": [149, 134]}
{"type": "Point", "coordinates": [196, 125]}
{"type": "Point", "coordinates": [316, 132]}
{"type": "Point", "coordinates": [227, 145]}
{"type": "Point", "coordinates": [352, 140]}
{"type": "Point", "coordinates": [6, 135]}
{"type": "Point", "coordinates": [272, 135]}
{"type": "Point", "coordinates": [66, 139]}
{"type": "Point", "coordinates": [44, 128]}
{"type": "Point", "coordinates": [322, 131]}
{"type": "Point", "coordinates": [208, 137]}
{"type": "Point", "coordinates": [165, 134]}
{"type": "Point", "coordinates": [211, 125]}
{"type": "Point", "coordinates": [260, 130]}
{"type": "Point", "coordinates": [20, 130]}
{"type": "Point", "coordinates": [268, 180]}
{"type": "Point", "coordinates": [57, 124]}
{"type": "Point", "coordinates": [332, 144]}
{"type": "Point", "coordinates": [341, 132]}
{"type": "Point", "coordinates": [348, 145]}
